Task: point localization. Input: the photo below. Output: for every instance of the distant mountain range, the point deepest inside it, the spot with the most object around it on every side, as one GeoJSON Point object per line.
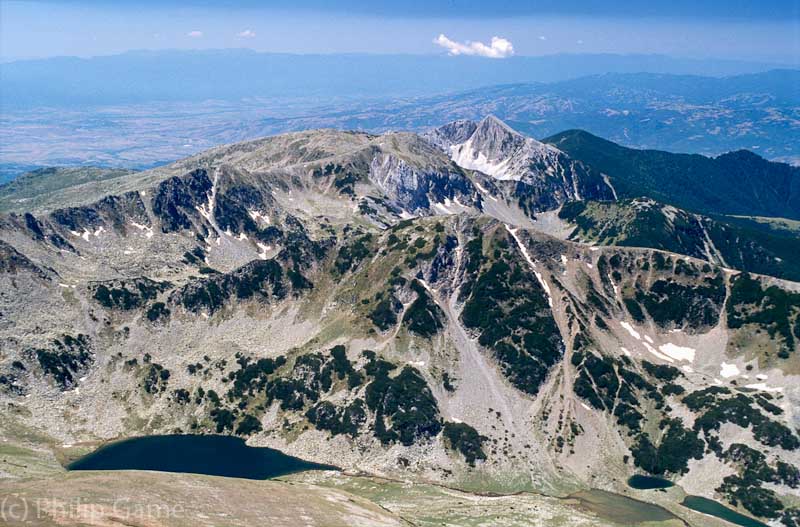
{"type": "Point", "coordinates": [145, 76]}
{"type": "Point", "coordinates": [679, 113]}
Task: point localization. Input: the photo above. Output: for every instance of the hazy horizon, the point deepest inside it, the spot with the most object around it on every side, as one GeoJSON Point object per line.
{"type": "Point", "coordinates": [743, 30]}
{"type": "Point", "coordinates": [766, 64]}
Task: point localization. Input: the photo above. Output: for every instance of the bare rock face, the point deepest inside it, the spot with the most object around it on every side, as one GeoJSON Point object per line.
{"type": "Point", "coordinates": [451, 134]}
{"type": "Point", "coordinates": [426, 189]}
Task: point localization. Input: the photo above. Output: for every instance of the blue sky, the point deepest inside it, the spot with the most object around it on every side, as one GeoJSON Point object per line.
{"type": "Point", "coordinates": [766, 30]}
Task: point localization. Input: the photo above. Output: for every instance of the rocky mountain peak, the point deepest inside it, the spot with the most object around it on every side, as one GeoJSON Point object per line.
{"type": "Point", "coordinates": [492, 147]}
{"type": "Point", "coordinates": [543, 174]}
{"type": "Point", "coordinates": [494, 125]}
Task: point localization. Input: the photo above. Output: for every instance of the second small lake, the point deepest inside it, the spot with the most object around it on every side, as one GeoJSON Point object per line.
{"type": "Point", "coordinates": [641, 482]}
{"type": "Point", "coordinates": [713, 508]}
{"type": "Point", "coordinates": [197, 454]}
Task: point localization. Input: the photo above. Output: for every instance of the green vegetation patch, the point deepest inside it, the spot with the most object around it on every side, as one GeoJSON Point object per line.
{"type": "Point", "coordinates": [423, 317]}
{"type": "Point", "coordinates": [127, 294]}
{"type": "Point", "coordinates": [465, 439]}
{"type": "Point", "coordinates": [672, 452]}
{"type": "Point", "coordinates": [65, 358]}
{"type": "Point", "coordinates": [156, 378]}
{"type": "Point", "coordinates": [745, 488]}
{"type": "Point", "coordinates": [741, 242]}
{"type": "Point", "coordinates": [718, 405]}
{"type": "Point", "coordinates": [158, 311]}
{"type": "Point", "coordinates": [509, 309]}
{"type": "Point", "coordinates": [263, 279]}
{"type": "Point", "coordinates": [775, 310]}
{"type": "Point", "coordinates": [613, 386]}
{"type": "Point", "coordinates": [349, 256]}
{"type": "Point", "coordinates": [671, 303]}
{"type": "Point", "coordinates": [338, 420]}
{"type": "Point", "coordinates": [404, 407]}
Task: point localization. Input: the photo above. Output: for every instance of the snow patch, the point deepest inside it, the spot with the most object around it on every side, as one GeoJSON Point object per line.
{"type": "Point", "coordinates": [484, 191]}
{"type": "Point", "coordinates": [427, 286]}
{"type": "Point", "coordinates": [206, 210]}
{"type": "Point", "coordinates": [264, 249]}
{"type": "Point", "coordinates": [258, 215]}
{"type": "Point", "coordinates": [442, 208]}
{"type": "Point", "coordinates": [625, 351]}
{"type": "Point", "coordinates": [148, 231]}
{"type": "Point", "coordinates": [661, 356]}
{"type": "Point", "coordinates": [615, 288]}
{"type": "Point", "coordinates": [678, 352]}
{"type": "Point", "coordinates": [728, 370]}
{"type": "Point", "coordinates": [465, 156]}
{"type": "Point", "coordinates": [627, 327]}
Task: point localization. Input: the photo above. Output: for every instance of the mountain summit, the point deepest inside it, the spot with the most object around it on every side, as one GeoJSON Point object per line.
{"type": "Point", "coordinates": [547, 175]}
{"type": "Point", "coordinates": [494, 148]}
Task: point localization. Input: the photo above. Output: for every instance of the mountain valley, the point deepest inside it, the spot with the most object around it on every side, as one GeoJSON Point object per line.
{"type": "Point", "coordinates": [465, 315]}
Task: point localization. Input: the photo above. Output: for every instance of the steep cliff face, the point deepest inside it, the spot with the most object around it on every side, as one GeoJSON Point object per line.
{"type": "Point", "coordinates": [364, 301]}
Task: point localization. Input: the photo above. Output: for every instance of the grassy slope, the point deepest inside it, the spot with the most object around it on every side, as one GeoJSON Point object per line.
{"type": "Point", "coordinates": [44, 188]}
{"type": "Point", "coordinates": [160, 498]}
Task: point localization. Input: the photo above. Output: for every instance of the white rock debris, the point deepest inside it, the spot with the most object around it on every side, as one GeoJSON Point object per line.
{"type": "Point", "coordinates": [763, 387]}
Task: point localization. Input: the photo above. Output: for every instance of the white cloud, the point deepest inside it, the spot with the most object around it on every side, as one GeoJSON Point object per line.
{"type": "Point", "coordinates": [499, 48]}
{"type": "Point", "coordinates": [542, 37]}
{"type": "Point", "coordinates": [247, 33]}
{"type": "Point", "coordinates": [580, 42]}
{"type": "Point", "coordinates": [194, 34]}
